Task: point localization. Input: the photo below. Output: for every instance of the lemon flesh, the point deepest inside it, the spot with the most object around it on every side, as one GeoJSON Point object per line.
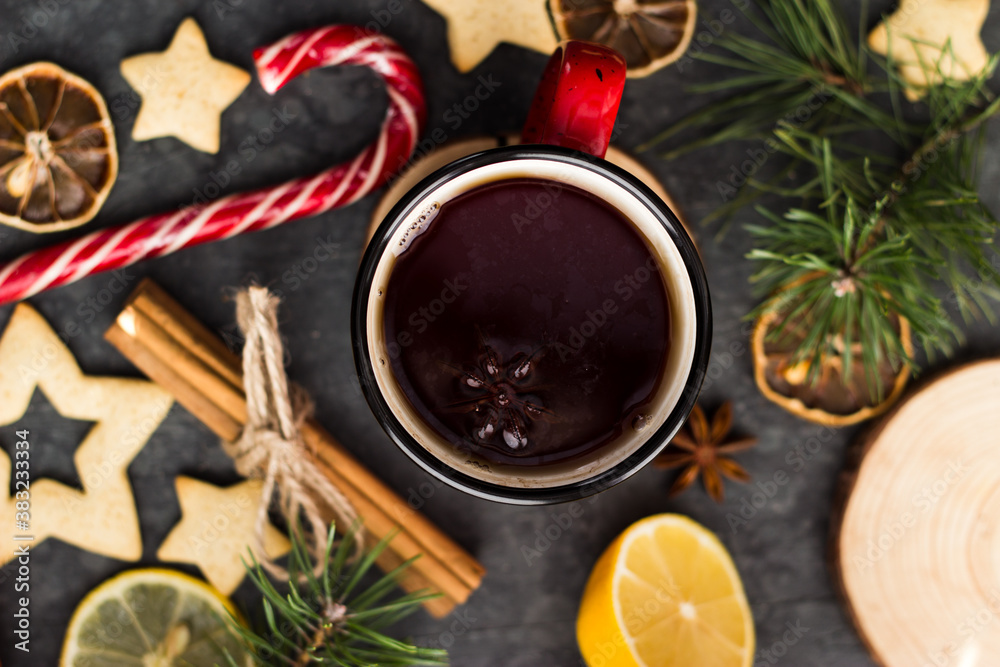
{"type": "Point", "coordinates": [152, 618]}
{"type": "Point", "coordinates": [665, 593]}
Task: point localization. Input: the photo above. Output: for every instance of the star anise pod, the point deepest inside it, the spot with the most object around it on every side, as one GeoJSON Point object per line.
{"type": "Point", "coordinates": [501, 394]}
{"type": "Point", "coordinates": [701, 449]}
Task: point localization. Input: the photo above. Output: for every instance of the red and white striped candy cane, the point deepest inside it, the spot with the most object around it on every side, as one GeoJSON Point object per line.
{"type": "Point", "coordinates": [159, 235]}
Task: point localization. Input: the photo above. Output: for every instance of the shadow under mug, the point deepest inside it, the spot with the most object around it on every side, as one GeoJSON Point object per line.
{"type": "Point", "coordinates": [565, 137]}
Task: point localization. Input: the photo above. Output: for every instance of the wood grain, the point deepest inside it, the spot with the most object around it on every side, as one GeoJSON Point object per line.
{"type": "Point", "coordinates": [915, 545]}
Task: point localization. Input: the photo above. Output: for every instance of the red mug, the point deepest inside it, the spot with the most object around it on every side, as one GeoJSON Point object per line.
{"type": "Point", "coordinates": [532, 341]}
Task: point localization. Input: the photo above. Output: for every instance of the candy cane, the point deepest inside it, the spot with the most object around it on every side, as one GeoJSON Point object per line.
{"type": "Point", "coordinates": [277, 64]}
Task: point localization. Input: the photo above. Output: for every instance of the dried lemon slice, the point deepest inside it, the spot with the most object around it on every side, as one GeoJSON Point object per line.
{"type": "Point", "coordinates": [650, 34]}
{"type": "Point", "coordinates": [58, 158]}
{"type": "Point", "coordinates": [821, 395]}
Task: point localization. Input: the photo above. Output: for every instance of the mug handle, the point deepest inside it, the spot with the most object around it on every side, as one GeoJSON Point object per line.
{"type": "Point", "coordinates": [577, 99]}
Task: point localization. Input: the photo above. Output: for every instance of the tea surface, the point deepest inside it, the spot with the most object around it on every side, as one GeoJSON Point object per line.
{"type": "Point", "coordinates": [528, 323]}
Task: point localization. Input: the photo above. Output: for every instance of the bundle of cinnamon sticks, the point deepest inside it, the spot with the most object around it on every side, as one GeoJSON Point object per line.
{"type": "Point", "coordinates": [175, 350]}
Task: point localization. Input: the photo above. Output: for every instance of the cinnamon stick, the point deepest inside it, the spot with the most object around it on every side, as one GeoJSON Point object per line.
{"type": "Point", "coordinates": [175, 350]}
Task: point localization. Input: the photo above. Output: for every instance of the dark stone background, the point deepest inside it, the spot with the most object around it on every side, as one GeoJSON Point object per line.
{"type": "Point", "coordinates": [524, 613]}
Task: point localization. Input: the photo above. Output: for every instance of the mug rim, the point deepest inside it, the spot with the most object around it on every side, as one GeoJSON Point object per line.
{"type": "Point", "coordinates": [605, 479]}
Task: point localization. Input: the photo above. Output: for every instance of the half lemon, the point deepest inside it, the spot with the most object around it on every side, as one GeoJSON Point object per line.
{"type": "Point", "coordinates": [664, 594]}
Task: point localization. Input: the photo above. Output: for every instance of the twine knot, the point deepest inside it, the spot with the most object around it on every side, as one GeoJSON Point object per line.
{"type": "Point", "coordinates": [271, 446]}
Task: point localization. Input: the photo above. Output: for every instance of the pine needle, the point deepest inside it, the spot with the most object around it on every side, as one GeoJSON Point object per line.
{"type": "Point", "coordinates": [333, 619]}
{"type": "Point", "coordinates": [866, 240]}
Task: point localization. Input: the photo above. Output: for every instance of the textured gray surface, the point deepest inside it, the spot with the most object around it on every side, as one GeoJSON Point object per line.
{"type": "Point", "coordinates": [524, 613]}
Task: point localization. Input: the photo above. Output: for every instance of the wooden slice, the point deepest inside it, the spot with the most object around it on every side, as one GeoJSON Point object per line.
{"type": "Point", "coordinates": [427, 164]}
{"type": "Point", "coordinates": [916, 542]}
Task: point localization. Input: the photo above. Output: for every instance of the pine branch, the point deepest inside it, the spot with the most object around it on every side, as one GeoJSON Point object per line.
{"type": "Point", "coordinates": [333, 618]}
{"type": "Point", "coordinates": [884, 242]}
{"type": "Point", "coordinates": [807, 72]}
{"type": "Point", "coordinates": [869, 237]}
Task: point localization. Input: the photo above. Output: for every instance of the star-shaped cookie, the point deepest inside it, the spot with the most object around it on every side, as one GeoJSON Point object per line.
{"type": "Point", "coordinates": [184, 90]}
{"type": "Point", "coordinates": [102, 517]}
{"type": "Point", "coordinates": [475, 27]}
{"type": "Point", "coordinates": [216, 529]}
{"type": "Point", "coordinates": [919, 29]}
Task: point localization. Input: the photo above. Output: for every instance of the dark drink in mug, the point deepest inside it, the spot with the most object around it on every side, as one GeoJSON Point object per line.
{"type": "Point", "coordinates": [531, 323]}
{"type": "Point", "coordinates": [528, 323]}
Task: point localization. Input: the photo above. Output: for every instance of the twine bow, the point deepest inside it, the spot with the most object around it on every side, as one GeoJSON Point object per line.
{"type": "Point", "coordinates": [271, 446]}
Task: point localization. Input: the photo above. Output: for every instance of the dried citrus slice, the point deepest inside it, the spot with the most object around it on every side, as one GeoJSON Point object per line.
{"type": "Point", "coordinates": [152, 618]}
{"type": "Point", "coordinates": [58, 159]}
{"type": "Point", "coordinates": [650, 34]}
{"type": "Point", "coordinates": [823, 396]}
{"type": "Point", "coordinates": [665, 594]}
